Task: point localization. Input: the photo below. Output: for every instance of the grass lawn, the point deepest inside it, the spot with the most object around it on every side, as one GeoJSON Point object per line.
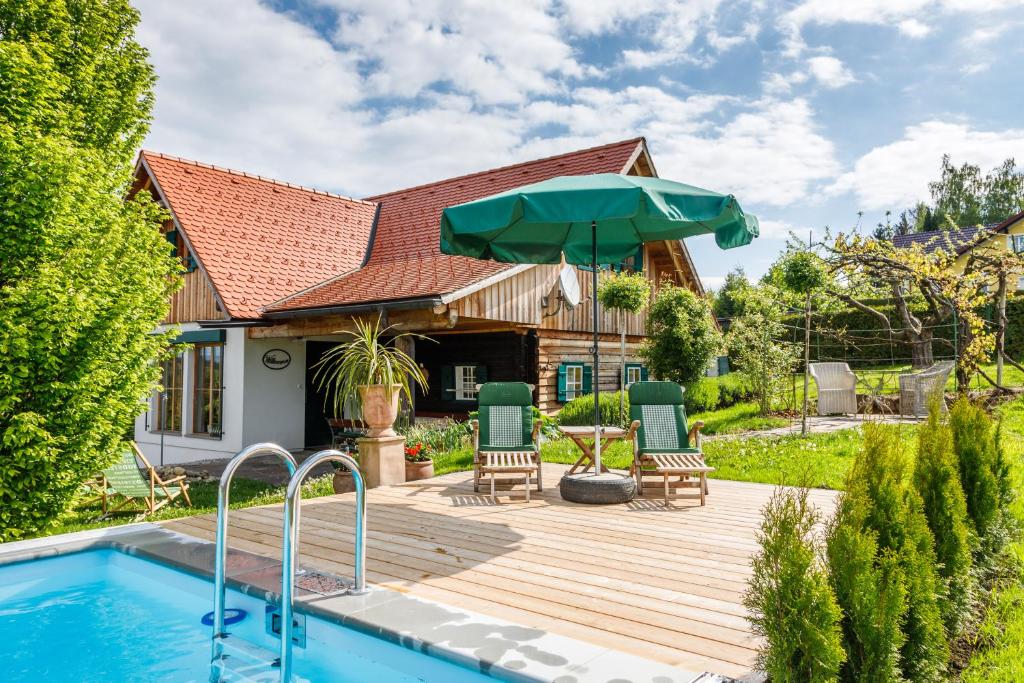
{"type": "Point", "coordinates": [244, 493]}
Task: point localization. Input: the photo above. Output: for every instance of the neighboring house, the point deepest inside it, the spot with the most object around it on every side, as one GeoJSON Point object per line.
{"type": "Point", "coordinates": [276, 271]}
{"type": "Point", "coordinates": [1008, 234]}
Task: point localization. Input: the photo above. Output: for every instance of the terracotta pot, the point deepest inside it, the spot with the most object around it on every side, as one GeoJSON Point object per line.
{"type": "Point", "coordinates": [380, 408]}
{"type": "Point", "coordinates": [419, 470]}
{"type": "Point", "coordinates": [343, 482]}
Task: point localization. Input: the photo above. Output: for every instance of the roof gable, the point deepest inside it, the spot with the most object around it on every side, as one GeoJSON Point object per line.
{"type": "Point", "coordinates": [405, 257]}
{"type": "Point", "coordinates": [259, 240]}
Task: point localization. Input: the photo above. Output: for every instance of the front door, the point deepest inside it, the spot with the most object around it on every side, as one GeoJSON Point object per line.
{"type": "Point", "coordinates": [318, 434]}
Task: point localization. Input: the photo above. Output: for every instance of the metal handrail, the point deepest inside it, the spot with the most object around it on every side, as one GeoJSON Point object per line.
{"type": "Point", "coordinates": [220, 558]}
{"type": "Point", "coordinates": [292, 503]}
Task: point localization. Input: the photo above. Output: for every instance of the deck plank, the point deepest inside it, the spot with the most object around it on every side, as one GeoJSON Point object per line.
{"type": "Point", "coordinates": [662, 583]}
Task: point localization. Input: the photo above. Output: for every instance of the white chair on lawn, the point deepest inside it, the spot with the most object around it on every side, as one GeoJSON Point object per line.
{"type": "Point", "coordinates": [917, 389]}
{"type": "Point", "coordinates": [837, 388]}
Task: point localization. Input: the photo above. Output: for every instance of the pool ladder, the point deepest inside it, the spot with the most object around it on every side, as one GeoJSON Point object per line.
{"type": "Point", "coordinates": [289, 548]}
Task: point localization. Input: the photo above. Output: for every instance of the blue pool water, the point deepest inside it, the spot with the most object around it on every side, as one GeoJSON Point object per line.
{"type": "Point", "coordinates": [103, 616]}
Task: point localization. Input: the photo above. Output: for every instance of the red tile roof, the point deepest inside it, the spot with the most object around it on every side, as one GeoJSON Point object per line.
{"type": "Point", "coordinates": [260, 240]}
{"type": "Point", "coordinates": [405, 259]}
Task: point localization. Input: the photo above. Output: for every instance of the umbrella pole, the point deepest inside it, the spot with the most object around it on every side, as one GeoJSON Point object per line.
{"type": "Point", "coordinates": [597, 371]}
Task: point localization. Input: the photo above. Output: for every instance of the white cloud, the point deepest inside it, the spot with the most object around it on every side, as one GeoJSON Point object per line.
{"type": "Point", "coordinates": [912, 28]}
{"type": "Point", "coordinates": [498, 52]}
{"type": "Point", "coordinates": [896, 175]}
{"type": "Point", "coordinates": [907, 16]}
{"type": "Point", "coordinates": [712, 281]}
{"type": "Point", "coordinates": [830, 72]}
{"type": "Point", "coordinates": [976, 68]}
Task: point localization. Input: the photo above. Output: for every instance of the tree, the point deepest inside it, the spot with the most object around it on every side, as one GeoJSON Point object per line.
{"type": "Point", "coordinates": [926, 289]}
{"type": "Point", "coordinates": [967, 197]}
{"type": "Point", "coordinates": [893, 513]}
{"type": "Point", "coordinates": [84, 275]}
{"type": "Point", "coordinates": [682, 337]}
{"type": "Point", "coordinates": [871, 590]}
{"type": "Point", "coordinates": [625, 293]}
{"type": "Point", "coordinates": [803, 273]}
{"type": "Point", "coordinates": [937, 479]}
{"type": "Point", "coordinates": [756, 343]}
{"type": "Point", "coordinates": [726, 301]}
{"type": "Point", "coordinates": [790, 601]}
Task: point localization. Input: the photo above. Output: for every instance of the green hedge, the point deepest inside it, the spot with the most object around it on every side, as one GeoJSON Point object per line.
{"type": "Point", "coordinates": [711, 393]}
{"type": "Point", "coordinates": [579, 412]}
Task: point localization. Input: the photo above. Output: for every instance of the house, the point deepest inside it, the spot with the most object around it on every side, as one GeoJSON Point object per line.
{"type": "Point", "coordinates": [275, 271]}
{"type": "Point", "coordinates": [1009, 235]}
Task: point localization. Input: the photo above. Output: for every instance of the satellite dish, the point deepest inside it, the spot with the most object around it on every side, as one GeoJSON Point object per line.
{"type": "Point", "coordinates": [569, 286]}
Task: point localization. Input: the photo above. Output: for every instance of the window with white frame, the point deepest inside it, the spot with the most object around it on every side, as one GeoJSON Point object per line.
{"type": "Point", "coordinates": [465, 382]}
{"type": "Point", "coordinates": [633, 374]}
{"type": "Point", "coordinates": [1017, 243]}
{"type": "Point", "coordinates": [573, 381]}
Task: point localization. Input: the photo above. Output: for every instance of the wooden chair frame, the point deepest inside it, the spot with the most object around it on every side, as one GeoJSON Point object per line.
{"type": "Point", "coordinates": [151, 501]}
{"type": "Point", "coordinates": [507, 462]}
{"type": "Point", "coordinates": [664, 466]}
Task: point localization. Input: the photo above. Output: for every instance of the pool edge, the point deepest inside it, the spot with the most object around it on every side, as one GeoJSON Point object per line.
{"type": "Point", "coordinates": [522, 654]}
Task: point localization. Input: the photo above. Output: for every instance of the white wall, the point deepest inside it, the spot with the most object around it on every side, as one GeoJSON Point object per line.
{"type": "Point", "coordinates": [178, 448]}
{"type": "Point", "coordinates": [275, 400]}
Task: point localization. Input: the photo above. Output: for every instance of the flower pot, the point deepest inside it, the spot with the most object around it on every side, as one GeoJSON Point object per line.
{"type": "Point", "coordinates": [343, 482]}
{"type": "Point", "coordinates": [419, 470]}
{"type": "Point", "coordinates": [380, 408]}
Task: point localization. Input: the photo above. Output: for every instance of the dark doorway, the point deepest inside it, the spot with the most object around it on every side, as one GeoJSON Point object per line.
{"type": "Point", "coordinates": [317, 432]}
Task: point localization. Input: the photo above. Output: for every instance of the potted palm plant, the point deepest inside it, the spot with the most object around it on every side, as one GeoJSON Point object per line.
{"type": "Point", "coordinates": [373, 372]}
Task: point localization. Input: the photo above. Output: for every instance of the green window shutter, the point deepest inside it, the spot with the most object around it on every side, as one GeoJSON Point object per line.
{"type": "Point", "coordinates": [643, 373]}
{"type": "Point", "coordinates": [172, 238]}
{"type": "Point", "coordinates": [447, 382]}
{"type": "Point", "coordinates": [481, 374]}
{"type": "Point", "coordinates": [588, 379]}
{"type": "Point", "coordinates": [561, 383]}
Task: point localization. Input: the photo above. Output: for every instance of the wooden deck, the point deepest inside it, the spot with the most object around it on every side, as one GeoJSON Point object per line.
{"type": "Point", "coordinates": [665, 584]}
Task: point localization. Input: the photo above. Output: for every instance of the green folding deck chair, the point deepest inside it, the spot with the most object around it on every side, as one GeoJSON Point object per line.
{"type": "Point", "coordinates": [126, 481]}
{"type": "Point", "coordinates": [505, 434]}
{"type": "Point", "coordinates": [663, 447]}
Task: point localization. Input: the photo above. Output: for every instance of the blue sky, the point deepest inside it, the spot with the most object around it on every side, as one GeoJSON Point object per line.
{"type": "Point", "coordinates": [809, 111]}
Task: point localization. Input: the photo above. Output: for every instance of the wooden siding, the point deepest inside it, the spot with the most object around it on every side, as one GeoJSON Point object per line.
{"type": "Point", "coordinates": [195, 301]}
{"type": "Point", "coordinates": [555, 348]}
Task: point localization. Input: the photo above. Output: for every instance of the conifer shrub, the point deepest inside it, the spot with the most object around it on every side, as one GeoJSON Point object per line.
{"type": "Point", "coordinates": [984, 474]}
{"type": "Point", "coordinates": [870, 588]}
{"type": "Point", "coordinates": [894, 512]}
{"type": "Point", "coordinates": [580, 410]}
{"type": "Point", "coordinates": [790, 599]}
{"type": "Point", "coordinates": [937, 480]}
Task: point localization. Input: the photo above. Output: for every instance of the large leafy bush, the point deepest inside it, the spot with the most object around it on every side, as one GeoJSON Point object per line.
{"type": "Point", "coordinates": [756, 343]}
{"type": "Point", "coordinates": [84, 276]}
{"type": "Point", "coordinates": [682, 337]}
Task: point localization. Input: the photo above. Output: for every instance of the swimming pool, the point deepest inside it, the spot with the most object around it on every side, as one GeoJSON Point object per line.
{"type": "Point", "coordinates": [102, 615]}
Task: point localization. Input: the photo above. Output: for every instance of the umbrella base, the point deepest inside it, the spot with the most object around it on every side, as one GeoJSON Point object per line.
{"type": "Point", "coordinates": [597, 489]}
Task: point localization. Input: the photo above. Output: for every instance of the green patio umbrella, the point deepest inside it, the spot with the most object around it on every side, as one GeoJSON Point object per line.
{"type": "Point", "coordinates": [590, 220]}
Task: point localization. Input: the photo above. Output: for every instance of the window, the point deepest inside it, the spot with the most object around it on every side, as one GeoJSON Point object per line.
{"type": "Point", "coordinates": [573, 381]}
{"type": "Point", "coordinates": [465, 382]}
{"type": "Point", "coordinates": [1020, 283]}
{"type": "Point", "coordinates": [207, 388]}
{"type": "Point", "coordinates": [632, 374]}
{"type": "Point", "coordinates": [167, 403]}
{"type": "Point", "coordinates": [1017, 243]}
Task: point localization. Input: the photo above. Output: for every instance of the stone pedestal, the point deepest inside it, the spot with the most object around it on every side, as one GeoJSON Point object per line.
{"type": "Point", "coordinates": [382, 460]}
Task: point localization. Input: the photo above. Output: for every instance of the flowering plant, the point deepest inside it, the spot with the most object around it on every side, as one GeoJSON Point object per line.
{"type": "Point", "coordinates": [417, 452]}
